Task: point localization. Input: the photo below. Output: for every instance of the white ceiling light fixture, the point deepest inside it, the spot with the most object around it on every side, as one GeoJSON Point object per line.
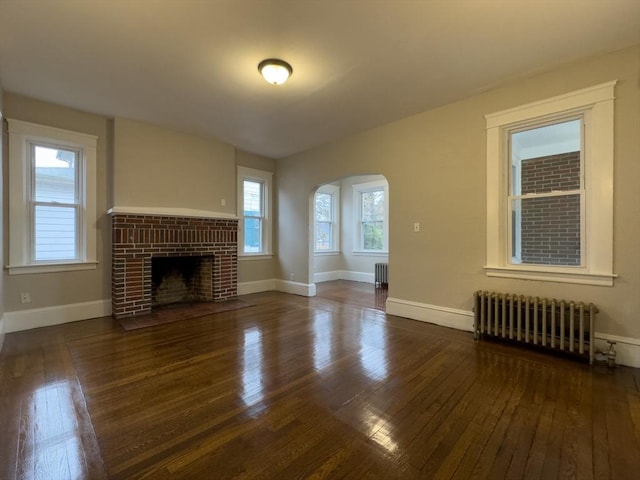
{"type": "Point", "coordinates": [275, 71]}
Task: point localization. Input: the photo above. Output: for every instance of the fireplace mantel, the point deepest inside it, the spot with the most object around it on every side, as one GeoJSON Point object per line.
{"type": "Point", "coordinates": [169, 212]}
{"type": "Point", "coordinates": [137, 237]}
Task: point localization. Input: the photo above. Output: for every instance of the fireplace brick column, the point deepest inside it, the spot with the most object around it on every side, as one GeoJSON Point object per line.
{"type": "Point", "coordinates": [138, 238]}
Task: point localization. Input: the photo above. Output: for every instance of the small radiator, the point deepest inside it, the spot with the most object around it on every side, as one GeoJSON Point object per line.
{"type": "Point", "coordinates": [558, 325]}
{"type": "Point", "coordinates": [381, 275]}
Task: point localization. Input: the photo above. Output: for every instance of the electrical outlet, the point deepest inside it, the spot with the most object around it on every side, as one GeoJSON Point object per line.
{"type": "Point", "coordinates": [223, 202]}
{"type": "Point", "coordinates": [25, 297]}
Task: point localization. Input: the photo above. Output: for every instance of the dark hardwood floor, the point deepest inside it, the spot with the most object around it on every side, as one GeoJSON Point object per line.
{"type": "Point", "coordinates": [294, 387]}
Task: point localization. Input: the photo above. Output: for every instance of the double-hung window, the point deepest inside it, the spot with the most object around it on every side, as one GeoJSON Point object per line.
{"type": "Point", "coordinates": [546, 194]}
{"type": "Point", "coordinates": [370, 201]}
{"type": "Point", "coordinates": [55, 205]}
{"type": "Point", "coordinates": [327, 219]}
{"type": "Point", "coordinates": [254, 205]}
{"type": "Point", "coordinates": [52, 212]}
{"type": "Point", "coordinates": [550, 189]}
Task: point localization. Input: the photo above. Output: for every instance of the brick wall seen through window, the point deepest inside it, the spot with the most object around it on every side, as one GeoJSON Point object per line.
{"type": "Point", "coordinates": [550, 226]}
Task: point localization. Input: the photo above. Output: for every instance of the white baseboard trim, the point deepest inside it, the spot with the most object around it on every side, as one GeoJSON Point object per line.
{"type": "Point", "coordinates": [296, 288]}
{"type": "Point", "coordinates": [627, 348]}
{"type": "Point", "coordinates": [358, 276]}
{"type": "Point", "coordinates": [327, 276]}
{"type": "Point", "coordinates": [286, 286]}
{"type": "Point", "coordinates": [47, 316]}
{"type": "Point", "coordinates": [446, 317]}
{"type": "Point", "coordinates": [343, 275]}
{"type": "Point", "coordinates": [246, 288]}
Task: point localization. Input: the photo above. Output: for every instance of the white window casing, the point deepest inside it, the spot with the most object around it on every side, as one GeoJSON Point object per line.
{"type": "Point", "coordinates": [595, 105]}
{"type": "Point", "coordinates": [23, 136]}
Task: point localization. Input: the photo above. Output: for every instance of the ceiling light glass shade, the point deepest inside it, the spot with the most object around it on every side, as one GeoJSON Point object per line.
{"type": "Point", "coordinates": [275, 71]}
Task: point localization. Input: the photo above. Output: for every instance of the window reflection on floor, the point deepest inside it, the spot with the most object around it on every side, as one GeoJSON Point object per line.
{"type": "Point", "coordinates": [252, 381]}
{"type": "Point", "coordinates": [53, 449]}
{"type": "Point", "coordinates": [322, 333]}
{"type": "Point", "coordinates": [373, 350]}
{"type": "Point", "coordinates": [380, 430]}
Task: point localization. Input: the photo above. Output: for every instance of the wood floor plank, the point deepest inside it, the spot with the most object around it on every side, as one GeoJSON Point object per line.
{"type": "Point", "coordinates": [293, 387]}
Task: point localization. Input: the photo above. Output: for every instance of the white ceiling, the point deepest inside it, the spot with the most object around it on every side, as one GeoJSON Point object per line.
{"type": "Point", "coordinates": [192, 64]}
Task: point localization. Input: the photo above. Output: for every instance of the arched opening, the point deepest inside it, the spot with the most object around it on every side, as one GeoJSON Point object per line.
{"type": "Point", "coordinates": [349, 231]}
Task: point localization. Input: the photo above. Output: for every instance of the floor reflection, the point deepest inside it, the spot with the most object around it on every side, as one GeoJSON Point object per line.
{"type": "Point", "coordinates": [373, 350]}
{"type": "Point", "coordinates": [381, 295]}
{"type": "Point", "coordinates": [52, 445]}
{"type": "Point", "coordinates": [252, 381]}
{"type": "Point", "coordinates": [380, 431]}
{"type": "Point", "coordinates": [322, 333]}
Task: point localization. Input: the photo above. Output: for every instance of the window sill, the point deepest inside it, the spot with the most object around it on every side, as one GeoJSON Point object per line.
{"type": "Point", "coordinates": [326, 253]}
{"type": "Point", "coordinates": [552, 275]}
{"type": "Point", "coordinates": [371, 253]}
{"type": "Point", "coordinates": [254, 256]}
{"type": "Point", "coordinates": [51, 267]}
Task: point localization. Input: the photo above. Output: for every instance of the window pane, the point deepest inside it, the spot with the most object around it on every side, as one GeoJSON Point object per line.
{"type": "Point", "coordinates": [549, 230]}
{"type": "Point", "coordinates": [373, 206]}
{"type": "Point", "coordinates": [55, 233]}
{"type": "Point", "coordinates": [252, 235]}
{"type": "Point", "coordinates": [55, 175]}
{"type": "Point", "coordinates": [324, 207]}
{"type": "Point", "coordinates": [547, 158]}
{"type": "Point", "coordinates": [324, 236]}
{"type": "Point", "coordinates": [252, 201]}
{"type": "Point", "coordinates": [372, 235]}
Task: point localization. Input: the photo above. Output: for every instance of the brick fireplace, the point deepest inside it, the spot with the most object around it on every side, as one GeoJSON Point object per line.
{"type": "Point", "coordinates": [137, 238]}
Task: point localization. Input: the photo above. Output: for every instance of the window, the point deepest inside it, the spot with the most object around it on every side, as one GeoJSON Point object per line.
{"type": "Point", "coordinates": [52, 212]}
{"type": "Point", "coordinates": [550, 189]}
{"type": "Point", "coordinates": [370, 201]}
{"type": "Point", "coordinates": [327, 219]}
{"type": "Point", "coordinates": [54, 202]}
{"type": "Point", "coordinates": [546, 194]}
{"type": "Point", "coordinates": [254, 203]}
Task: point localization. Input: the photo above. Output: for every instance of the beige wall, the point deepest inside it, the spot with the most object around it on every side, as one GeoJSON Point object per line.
{"type": "Point", "coordinates": [158, 167]}
{"type": "Point", "coordinates": [435, 163]}
{"type": "Point", "coordinates": [251, 270]}
{"type": "Point", "coordinates": [51, 289]}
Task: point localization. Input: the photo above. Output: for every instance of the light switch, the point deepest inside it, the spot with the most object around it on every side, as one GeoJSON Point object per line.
{"type": "Point", "coordinates": [416, 227]}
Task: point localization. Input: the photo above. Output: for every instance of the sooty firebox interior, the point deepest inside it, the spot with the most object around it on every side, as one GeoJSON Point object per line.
{"type": "Point", "coordinates": [184, 279]}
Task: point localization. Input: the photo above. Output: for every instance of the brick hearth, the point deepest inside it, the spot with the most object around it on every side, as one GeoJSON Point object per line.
{"type": "Point", "coordinates": [137, 238]}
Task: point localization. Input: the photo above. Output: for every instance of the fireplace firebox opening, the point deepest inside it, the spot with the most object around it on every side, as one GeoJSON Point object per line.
{"type": "Point", "coordinates": [185, 279]}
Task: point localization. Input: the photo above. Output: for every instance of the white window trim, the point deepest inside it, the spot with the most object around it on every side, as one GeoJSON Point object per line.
{"type": "Point", "coordinates": [596, 104]}
{"type": "Point", "coordinates": [334, 191]}
{"type": "Point", "coordinates": [266, 178]}
{"type": "Point", "coordinates": [21, 134]}
{"type": "Point", "coordinates": [359, 188]}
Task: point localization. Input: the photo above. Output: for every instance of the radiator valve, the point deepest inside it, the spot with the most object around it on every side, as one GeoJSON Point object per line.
{"type": "Point", "coordinates": [611, 354]}
{"type": "Point", "coordinates": [608, 356]}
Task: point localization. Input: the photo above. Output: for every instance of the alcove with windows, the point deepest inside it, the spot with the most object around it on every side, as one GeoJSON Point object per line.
{"type": "Point", "coordinates": [350, 219]}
